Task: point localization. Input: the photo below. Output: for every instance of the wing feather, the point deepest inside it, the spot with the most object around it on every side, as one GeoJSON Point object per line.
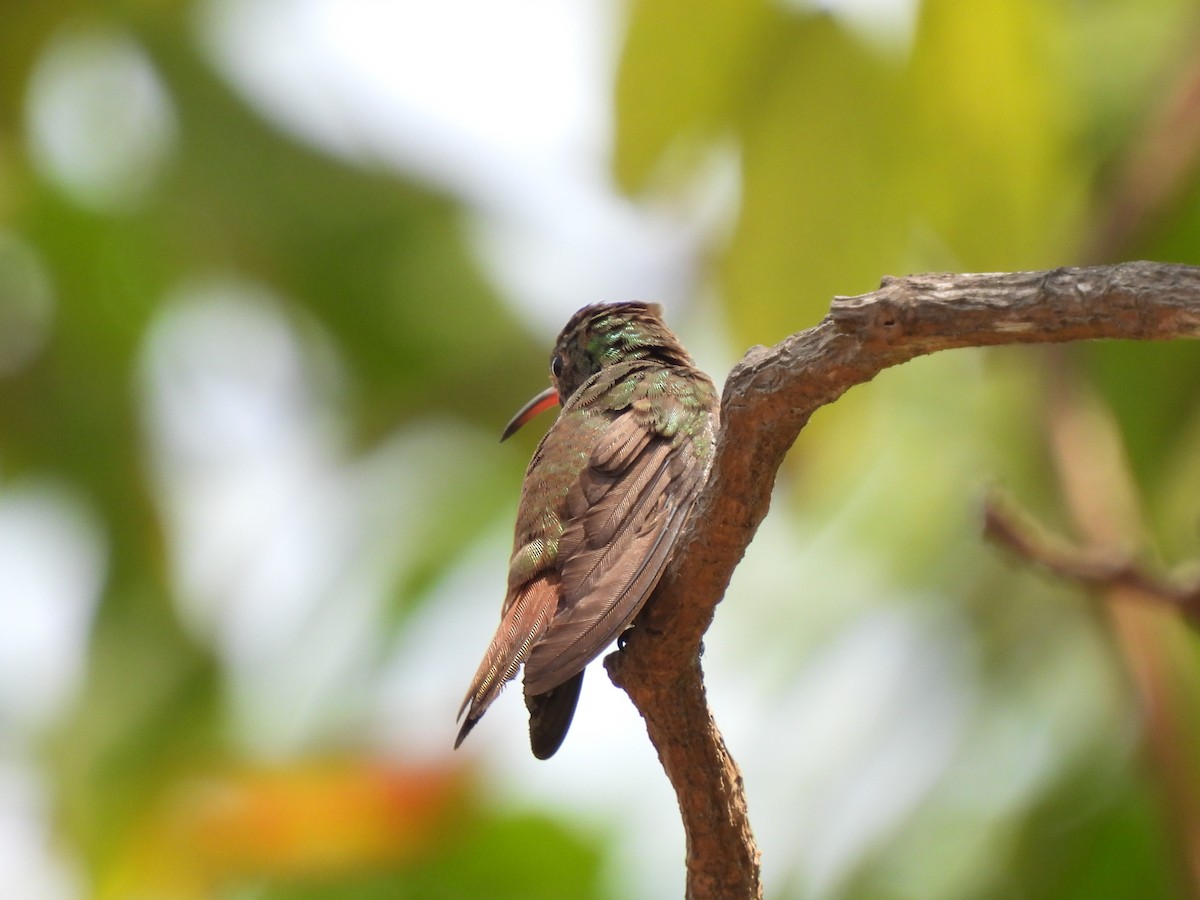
{"type": "Point", "coordinates": [623, 517]}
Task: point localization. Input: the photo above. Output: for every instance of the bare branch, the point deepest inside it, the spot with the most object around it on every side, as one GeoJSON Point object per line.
{"type": "Point", "coordinates": [768, 398]}
{"type": "Point", "coordinates": [1096, 568]}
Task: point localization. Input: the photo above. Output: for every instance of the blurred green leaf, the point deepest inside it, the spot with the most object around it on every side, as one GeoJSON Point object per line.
{"type": "Point", "coordinates": [1117, 852]}
{"type": "Point", "coordinates": [820, 214]}
{"type": "Point", "coordinates": [988, 166]}
{"type": "Point", "coordinates": [505, 857]}
{"type": "Point", "coordinates": [687, 70]}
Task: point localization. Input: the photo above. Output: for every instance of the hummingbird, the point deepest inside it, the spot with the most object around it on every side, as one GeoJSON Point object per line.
{"type": "Point", "coordinates": [603, 500]}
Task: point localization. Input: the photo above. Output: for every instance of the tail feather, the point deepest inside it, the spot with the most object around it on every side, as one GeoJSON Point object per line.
{"type": "Point", "coordinates": [550, 715]}
{"type": "Point", "coordinates": [525, 620]}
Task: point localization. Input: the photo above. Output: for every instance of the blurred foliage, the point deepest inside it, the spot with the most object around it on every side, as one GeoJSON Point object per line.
{"type": "Point", "coordinates": [995, 140]}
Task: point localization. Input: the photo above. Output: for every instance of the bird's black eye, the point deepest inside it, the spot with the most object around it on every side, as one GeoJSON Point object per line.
{"type": "Point", "coordinates": [556, 365]}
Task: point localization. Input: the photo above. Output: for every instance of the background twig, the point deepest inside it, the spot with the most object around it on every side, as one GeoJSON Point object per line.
{"type": "Point", "coordinates": [1095, 567]}
{"type": "Point", "coordinates": [1098, 490]}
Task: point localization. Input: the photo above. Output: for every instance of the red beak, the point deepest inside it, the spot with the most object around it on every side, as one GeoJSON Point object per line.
{"type": "Point", "coordinates": [540, 403]}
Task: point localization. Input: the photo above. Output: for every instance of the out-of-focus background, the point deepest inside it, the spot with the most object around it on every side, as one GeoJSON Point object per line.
{"type": "Point", "coordinates": [273, 274]}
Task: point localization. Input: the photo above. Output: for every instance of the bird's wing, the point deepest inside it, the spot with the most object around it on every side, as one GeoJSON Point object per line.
{"type": "Point", "coordinates": [623, 516]}
{"type": "Point", "coordinates": [527, 614]}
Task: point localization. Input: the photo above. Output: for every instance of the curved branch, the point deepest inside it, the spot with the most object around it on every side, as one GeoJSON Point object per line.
{"type": "Point", "coordinates": [768, 398]}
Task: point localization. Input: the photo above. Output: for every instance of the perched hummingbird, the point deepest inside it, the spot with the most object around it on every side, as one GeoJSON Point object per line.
{"type": "Point", "coordinates": [604, 497]}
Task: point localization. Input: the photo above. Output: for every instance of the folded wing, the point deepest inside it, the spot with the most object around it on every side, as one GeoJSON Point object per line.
{"type": "Point", "coordinates": [623, 515]}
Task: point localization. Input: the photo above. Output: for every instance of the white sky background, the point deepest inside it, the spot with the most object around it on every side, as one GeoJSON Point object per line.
{"type": "Point", "coordinates": [512, 115]}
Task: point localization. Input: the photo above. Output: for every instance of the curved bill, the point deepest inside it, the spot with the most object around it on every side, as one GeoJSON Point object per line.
{"type": "Point", "coordinates": [540, 403]}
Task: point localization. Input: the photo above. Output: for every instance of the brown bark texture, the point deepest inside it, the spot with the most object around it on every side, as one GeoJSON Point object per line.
{"type": "Point", "coordinates": [768, 398]}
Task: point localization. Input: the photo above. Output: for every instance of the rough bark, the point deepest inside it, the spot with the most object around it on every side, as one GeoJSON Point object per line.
{"type": "Point", "coordinates": [768, 398]}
